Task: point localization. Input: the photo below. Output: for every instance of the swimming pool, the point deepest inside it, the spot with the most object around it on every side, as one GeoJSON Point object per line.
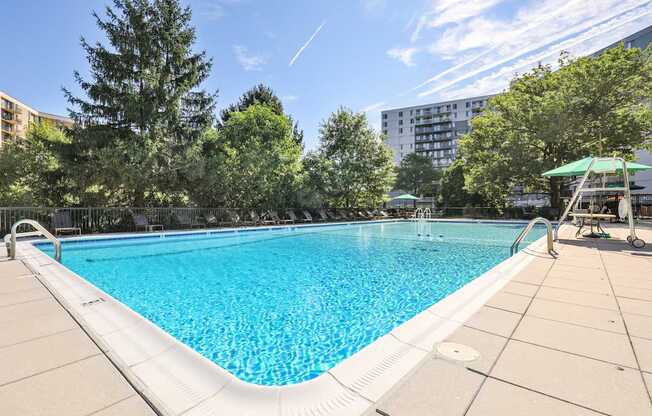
{"type": "Point", "coordinates": [281, 306]}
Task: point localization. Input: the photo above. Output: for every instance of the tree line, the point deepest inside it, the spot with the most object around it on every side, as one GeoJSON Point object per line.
{"type": "Point", "coordinates": [146, 134]}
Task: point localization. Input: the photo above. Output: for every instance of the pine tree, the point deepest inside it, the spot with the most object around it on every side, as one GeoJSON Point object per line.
{"type": "Point", "coordinates": [142, 107]}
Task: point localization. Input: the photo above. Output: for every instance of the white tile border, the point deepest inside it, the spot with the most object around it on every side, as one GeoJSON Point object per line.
{"type": "Point", "coordinates": [179, 381]}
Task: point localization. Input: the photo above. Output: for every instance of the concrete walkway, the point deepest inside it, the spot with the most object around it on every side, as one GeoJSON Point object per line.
{"type": "Point", "coordinates": [48, 365]}
{"type": "Point", "coordinates": [571, 336]}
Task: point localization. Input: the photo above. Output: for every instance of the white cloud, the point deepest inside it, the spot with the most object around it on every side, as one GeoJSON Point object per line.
{"type": "Point", "coordinates": [289, 98]}
{"type": "Point", "coordinates": [404, 55]}
{"type": "Point", "coordinates": [373, 107]}
{"type": "Point", "coordinates": [305, 45]}
{"type": "Point", "coordinates": [249, 62]}
{"type": "Point", "coordinates": [215, 9]}
{"type": "Point", "coordinates": [537, 32]}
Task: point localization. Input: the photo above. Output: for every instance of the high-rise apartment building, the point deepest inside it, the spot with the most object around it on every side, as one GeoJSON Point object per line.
{"type": "Point", "coordinates": [431, 130]}
{"type": "Point", "coordinates": [15, 118]}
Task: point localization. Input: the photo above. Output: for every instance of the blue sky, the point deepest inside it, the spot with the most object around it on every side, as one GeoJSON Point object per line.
{"type": "Point", "coordinates": [318, 55]}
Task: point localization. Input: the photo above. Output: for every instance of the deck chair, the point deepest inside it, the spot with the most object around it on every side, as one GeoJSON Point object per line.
{"type": "Point", "coordinates": [307, 215]}
{"type": "Point", "coordinates": [186, 221]}
{"type": "Point", "coordinates": [322, 215]}
{"type": "Point", "coordinates": [258, 220]}
{"type": "Point", "coordinates": [141, 221]}
{"type": "Point", "coordinates": [274, 216]}
{"type": "Point", "coordinates": [292, 216]}
{"type": "Point", "coordinates": [62, 223]}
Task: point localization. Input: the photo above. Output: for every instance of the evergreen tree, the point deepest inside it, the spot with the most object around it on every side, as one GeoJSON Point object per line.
{"type": "Point", "coordinates": [142, 109]}
{"type": "Point", "coordinates": [263, 95]}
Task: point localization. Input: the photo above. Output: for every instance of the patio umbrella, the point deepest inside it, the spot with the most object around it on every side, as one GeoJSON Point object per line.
{"type": "Point", "coordinates": [579, 167]}
{"type": "Point", "coordinates": [406, 197]}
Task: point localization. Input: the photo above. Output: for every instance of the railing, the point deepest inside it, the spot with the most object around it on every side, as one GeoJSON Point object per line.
{"type": "Point", "coordinates": [40, 231]}
{"type": "Point", "coordinates": [527, 229]}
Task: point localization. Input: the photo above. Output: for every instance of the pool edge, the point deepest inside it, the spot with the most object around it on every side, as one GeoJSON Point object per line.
{"type": "Point", "coordinates": [179, 381]}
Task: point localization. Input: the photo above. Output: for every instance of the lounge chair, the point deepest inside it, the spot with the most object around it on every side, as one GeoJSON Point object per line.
{"type": "Point", "coordinates": [363, 215]}
{"type": "Point", "coordinates": [62, 223]}
{"type": "Point", "coordinates": [333, 215]}
{"type": "Point", "coordinates": [211, 220]}
{"type": "Point", "coordinates": [322, 215]}
{"type": "Point", "coordinates": [186, 221]}
{"type": "Point", "coordinates": [293, 217]}
{"type": "Point", "coordinates": [258, 220]}
{"type": "Point", "coordinates": [230, 218]}
{"type": "Point", "coordinates": [274, 216]}
{"type": "Point", "coordinates": [141, 221]}
{"type": "Point", "coordinates": [307, 215]}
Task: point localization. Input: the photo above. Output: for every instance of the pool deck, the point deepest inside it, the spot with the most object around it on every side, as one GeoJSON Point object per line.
{"type": "Point", "coordinates": [48, 364]}
{"type": "Point", "coordinates": [567, 336]}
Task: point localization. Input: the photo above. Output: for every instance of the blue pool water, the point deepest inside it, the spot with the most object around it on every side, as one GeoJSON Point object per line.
{"type": "Point", "coordinates": [283, 306]}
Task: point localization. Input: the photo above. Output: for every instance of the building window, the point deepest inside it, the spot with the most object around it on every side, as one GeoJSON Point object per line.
{"type": "Point", "coordinates": [410, 129]}
{"type": "Point", "coordinates": [418, 111]}
{"type": "Point", "coordinates": [467, 113]}
{"type": "Point", "coordinates": [400, 131]}
{"type": "Point", "coordinates": [454, 106]}
{"type": "Point", "coordinates": [401, 147]}
{"type": "Point", "coordinates": [385, 123]}
{"type": "Point", "coordinates": [410, 112]}
{"type": "Point", "coordinates": [411, 121]}
{"type": "Point", "coordinates": [400, 114]}
{"type": "Point", "coordinates": [385, 132]}
{"type": "Point", "coordinates": [400, 122]}
{"type": "Point", "coordinates": [384, 116]}
{"type": "Point", "coordinates": [410, 145]}
{"type": "Point", "coordinates": [468, 104]}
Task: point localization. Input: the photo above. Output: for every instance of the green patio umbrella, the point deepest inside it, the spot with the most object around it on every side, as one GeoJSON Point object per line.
{"type": "Point", "coordinates": [406, 197]}
{"type": "Point", "coordinates": [579, 167]}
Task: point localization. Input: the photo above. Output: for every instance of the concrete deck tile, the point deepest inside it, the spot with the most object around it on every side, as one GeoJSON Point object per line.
{"type": "Point", "coordinates": [133, 406]}
{"type": "Point", "coordinates": [497, 398]}
{"type": "Point", "coordinates": [13, 332]}
{"type": "Point", "coordinates": [29, 310]}
{"type": "Point", "coordinates": [437, 387]}
{"type": "Point", "coordinates": [564, 272]}
{"type": "Point", "coordinates": [633, 293]}
{"type": "Point", "coordinates": [14, 268]}
{"type": "Point", "coordinates": [531, 278]}
{"type": "Point", "coordinates": [639, 325]}
{"type": "Point", "coordinates": [578, 298]}
{"type": "Point", "coordinates": [12, 283]}
{"type": "Point", "coordinates": [488, 345]}
{"type": "Point", "coordinates": [648, 381]}
{"type": "Point", "coordinates": [643, 349]}
{"type": "Point", "coordinates": [496, 321]}
{"type": "Point", "coordinates": [519, 288]}
{"type": "Point", "coordinates": [75, 389]}
{"type": "Point", "coordinates": [589, 342]}
{"type": "Point", "coordinates": [636, 306]}
{"type": "Point", "coordinates": [509, 302]}
{"type": "Point", "coordinates": [604, 319]}
{"type": "Point", "coordinates": [595, 286]}
{"type": "Point", "coordinates": [42, 354]}
{"type": "Point", "coordinates": [634, 282]}
{"type": "Point", "coordinates": [597, 385]}
{"type": "Point", "coordinates": [22, 296]}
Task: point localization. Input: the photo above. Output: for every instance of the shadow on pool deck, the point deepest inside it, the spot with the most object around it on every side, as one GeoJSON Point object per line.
{"type": "Point", "coordinates": [569, 336]}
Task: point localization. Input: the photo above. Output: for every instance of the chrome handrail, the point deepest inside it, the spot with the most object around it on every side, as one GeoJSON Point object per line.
{"type": "Point", "coordinates": [40, 231]}
{"type": "Point", "coordinates": [524, 232]}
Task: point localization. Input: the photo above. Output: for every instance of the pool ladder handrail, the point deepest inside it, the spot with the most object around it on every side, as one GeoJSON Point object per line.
{"type": "Point", "coordinates": [40, 231]}
{"type": "Point", "coordinates": [524, 232]}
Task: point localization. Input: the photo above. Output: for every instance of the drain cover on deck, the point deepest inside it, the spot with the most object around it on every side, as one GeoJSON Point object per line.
{"type": "Point", "coordinates": [457, 352]}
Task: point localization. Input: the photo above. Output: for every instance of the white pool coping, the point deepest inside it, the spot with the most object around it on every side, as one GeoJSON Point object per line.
{"type": "Point", "coordinates": [179, 381]}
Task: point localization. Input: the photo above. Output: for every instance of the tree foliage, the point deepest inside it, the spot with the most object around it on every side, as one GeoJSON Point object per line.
{"type": "Point", "coordinates": [417, 175]}
{"type": "Point", "coordinates": [263, 95]}
{"type": "Point", "coordinates": [142, 111]}
{"type": "Point", "coordinates": [252, 161]}
{"type": "Point", "coordinates": [589, 106]}
{"type": "Point", "coordinates": [452, 192]}
{"type": "Point", "coordinates": [32, 170]}
{"type": "Point", "coordinates": [352, 165]}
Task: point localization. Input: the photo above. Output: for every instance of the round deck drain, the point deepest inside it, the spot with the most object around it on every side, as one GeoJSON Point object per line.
{"type": "Point", "coordinates": [457, 352]}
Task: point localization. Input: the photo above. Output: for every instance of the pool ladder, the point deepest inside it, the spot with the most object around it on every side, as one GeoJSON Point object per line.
{"type": "Point", "coordinates": [524, 232]}
{"type": "Point", "coordinates": [10, 239]}
{"type": "Point", "coordinates": [421, 215]}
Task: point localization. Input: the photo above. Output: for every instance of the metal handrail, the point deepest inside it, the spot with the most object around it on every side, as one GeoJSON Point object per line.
{"type": "Point", "coordinates": [40, 231]}
{"type": "Point", "coordinates": [528, 228]}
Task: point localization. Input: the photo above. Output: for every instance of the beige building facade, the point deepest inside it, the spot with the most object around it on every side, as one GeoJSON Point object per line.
{"type": "Point", "coordinates": [15, 118]}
